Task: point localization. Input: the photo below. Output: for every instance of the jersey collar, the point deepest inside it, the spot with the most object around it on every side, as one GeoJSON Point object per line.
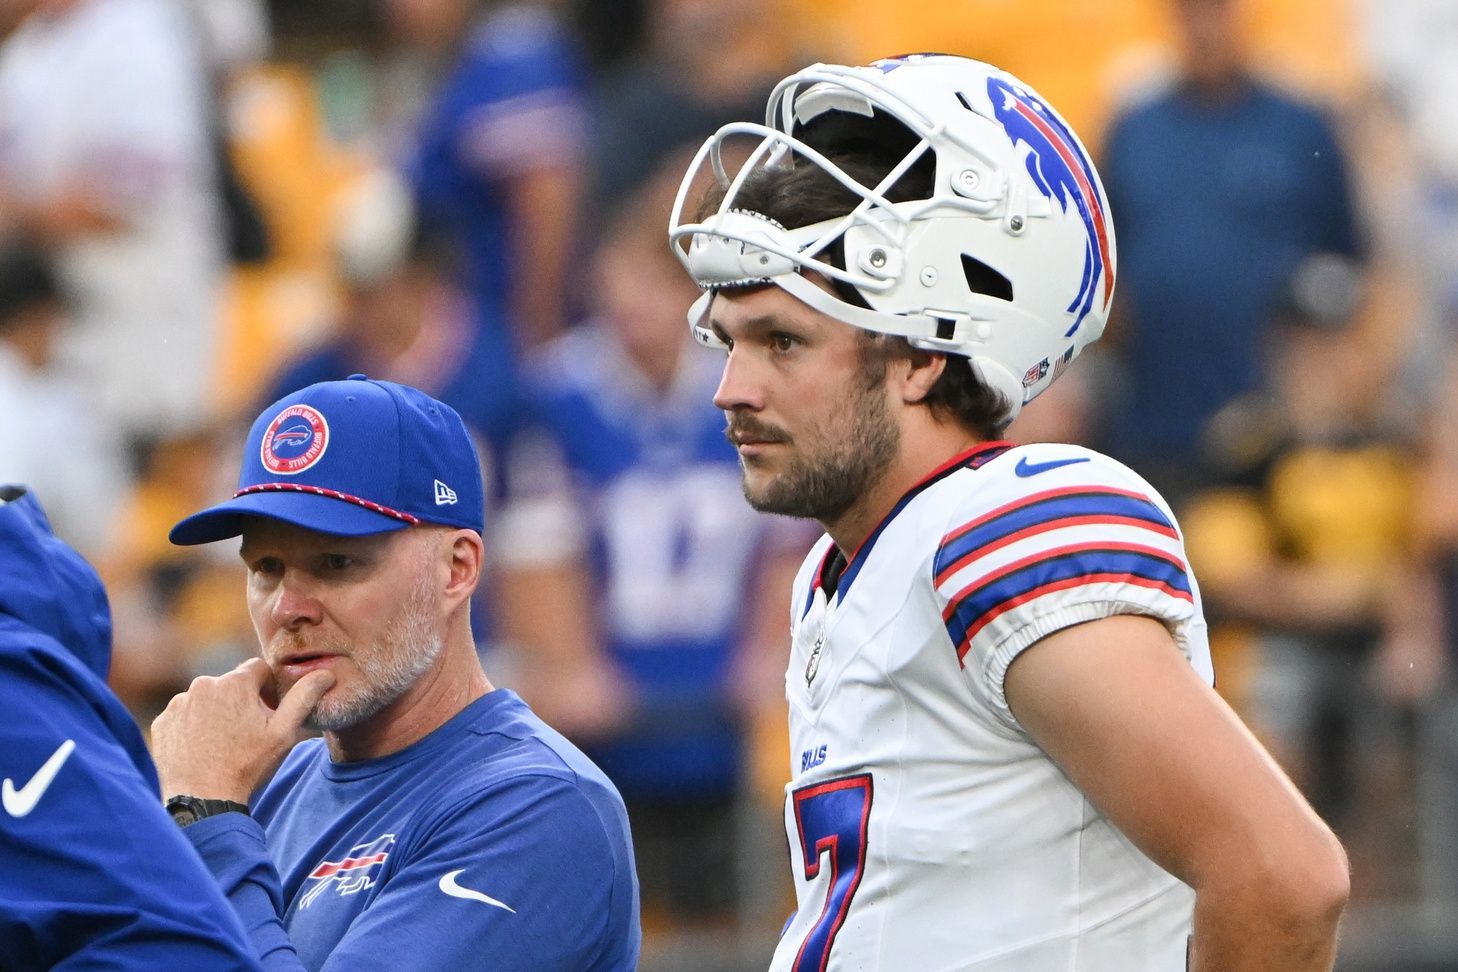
{"type": "Point", "coordinates": [836, 573]}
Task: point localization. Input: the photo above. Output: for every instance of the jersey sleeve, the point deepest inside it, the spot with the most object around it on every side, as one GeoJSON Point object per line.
{"type": "Point", "coordinates": [235, 850]}
{"type": "Point", "coordinates": [1087, 541]}
{"type": "Point", "coordinates": [521, 875]}
{"type": "Point", "coordinates": [96, 873]}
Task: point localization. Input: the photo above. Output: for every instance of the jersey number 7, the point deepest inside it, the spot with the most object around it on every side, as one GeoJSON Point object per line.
{"type": "Point", "coordinates": [832, 819]}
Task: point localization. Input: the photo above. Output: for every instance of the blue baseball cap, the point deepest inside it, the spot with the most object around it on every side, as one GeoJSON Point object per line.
{"type": "Point", "coordinates": [351, 458]}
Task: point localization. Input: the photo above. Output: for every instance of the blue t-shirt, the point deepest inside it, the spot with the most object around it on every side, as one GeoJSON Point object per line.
{"type": "Point", "coordinates": [491, 843]}
{"type": "Point", "coordinates": [96, 874]}
{"type": "Point", "coordinates": [673, 548]}
{"type": "Point", "coordinates": [1215, 205]}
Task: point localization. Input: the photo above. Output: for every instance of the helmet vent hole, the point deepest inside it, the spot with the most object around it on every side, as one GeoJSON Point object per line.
{"type": "Point", "coordinates": [982, 279]}
{"type": "Point", "coordinates": [965, 103]}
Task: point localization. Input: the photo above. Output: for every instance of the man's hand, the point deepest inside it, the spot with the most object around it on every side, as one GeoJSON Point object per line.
{"type": "Point", "coordinates": [220, 740]}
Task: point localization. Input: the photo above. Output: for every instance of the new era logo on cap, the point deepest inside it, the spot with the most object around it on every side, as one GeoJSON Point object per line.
{"type": "Point", "coordinates": [351, 458]}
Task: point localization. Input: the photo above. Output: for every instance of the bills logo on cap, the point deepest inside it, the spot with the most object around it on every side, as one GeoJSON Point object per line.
{"type": "Point", "coordinates": [294, 440]}
{"type": "Point", "coordinates": [1062, 172]}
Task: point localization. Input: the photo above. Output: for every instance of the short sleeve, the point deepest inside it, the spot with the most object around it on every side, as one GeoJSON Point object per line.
{"type": "Point", "coordinates": [1093, 542]}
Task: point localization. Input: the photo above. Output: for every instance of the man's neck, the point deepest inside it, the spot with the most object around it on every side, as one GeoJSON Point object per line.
{"type": "Point", "coordinates": [443, 692]}
{"type": "Point", "coordinates": [923, 449]}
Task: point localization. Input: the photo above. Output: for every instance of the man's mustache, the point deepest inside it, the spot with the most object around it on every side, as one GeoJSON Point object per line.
{"type": "Point", "coordinates": [746, 428]}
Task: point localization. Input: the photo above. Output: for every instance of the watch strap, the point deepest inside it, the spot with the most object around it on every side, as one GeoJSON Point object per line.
{"type": "Point", "coordinates": [187, 810]}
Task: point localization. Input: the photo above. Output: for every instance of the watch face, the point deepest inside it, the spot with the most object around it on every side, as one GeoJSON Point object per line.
{"type": "Point", "coordinates": [190, 809]}
{"type": "Point", "coordinates": [183, 815]}
{"type": "Point", "coordinates": [185, 810]}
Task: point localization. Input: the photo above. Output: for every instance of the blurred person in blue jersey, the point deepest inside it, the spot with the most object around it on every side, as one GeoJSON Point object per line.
{"type": "Point", "coordinates": [402, 318]}
{"type": "Point", "coordinates": [495, 164]}
{"type": "Point", "coordinates": [438, 824]}
{"type": "Point", "coordinates": [1224, 184]}
{"type": "Point", "coordinates": [646, 600]}
{"type": "Point", "coordinates": [96, 876]}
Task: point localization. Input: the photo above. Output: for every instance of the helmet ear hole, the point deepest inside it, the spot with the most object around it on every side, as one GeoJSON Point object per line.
{"type": "Point", "coordinates": [982, 279]}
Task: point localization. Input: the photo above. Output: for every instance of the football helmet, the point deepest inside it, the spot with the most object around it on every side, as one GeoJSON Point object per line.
{"type": "Point", "coordinates": [1008, 262]}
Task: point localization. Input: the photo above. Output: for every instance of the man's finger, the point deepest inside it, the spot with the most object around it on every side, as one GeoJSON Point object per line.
{"type": "Point", "coordinates": [295, 706]}
{"type": "Point", "coordinates": [257, 671]}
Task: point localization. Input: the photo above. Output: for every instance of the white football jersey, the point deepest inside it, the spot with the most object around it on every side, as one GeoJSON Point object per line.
{"type": "Point", "coordinates": [927, 831]}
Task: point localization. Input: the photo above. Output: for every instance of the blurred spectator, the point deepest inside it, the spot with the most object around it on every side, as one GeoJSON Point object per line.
{"type": "Point", "coordinates": [1220, 186]}
{"type": "Point", "coordinates": [496, 169]}
{"type": "Point", "coordinates": [648, 601]}
{"type": "Point", "coordinates": [402, 319]}
{"type": "Point", "coordinates": [1429, 658]}
{"type": "Point", "coordinates": [1413, 47]}
{"type": "Point", "coordinates": [233, 37]}
{"type": "Point", "coordinates": [1307, 538]}
{"type": "Point", "coordinates": [176, 612]}
{"type": "Point", "coordinates": [52, 435]}
{"type": "Point", "coordinates": [105, 158]}
{"type": "Point", "coordinates": [676, 94]}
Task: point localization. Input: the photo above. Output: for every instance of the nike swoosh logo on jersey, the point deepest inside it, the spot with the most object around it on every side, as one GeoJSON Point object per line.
{"type": "Point", "coordinates": [1026, 469]}
{"type": "Point", "coordinates": [449, 886]}
{"type": "Point", "coordinates": [20, 802]}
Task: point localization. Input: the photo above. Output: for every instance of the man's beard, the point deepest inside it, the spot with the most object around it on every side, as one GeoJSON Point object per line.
{"type": "Point", "coordinates": [825, 484]}
{"type": "Point", "coordinates": [389, 667]}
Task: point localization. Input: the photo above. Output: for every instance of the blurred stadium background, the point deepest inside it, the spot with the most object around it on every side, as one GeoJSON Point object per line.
{"type": "Point", "coordinates": [204, 201]}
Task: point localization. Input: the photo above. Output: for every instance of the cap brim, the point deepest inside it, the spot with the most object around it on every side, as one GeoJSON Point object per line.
{"type": "Point", "coordinates": [323, 514]}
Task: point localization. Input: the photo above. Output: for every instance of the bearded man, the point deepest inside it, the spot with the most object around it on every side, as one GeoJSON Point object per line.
{"type": "Point", "coordinates": [438, 824]}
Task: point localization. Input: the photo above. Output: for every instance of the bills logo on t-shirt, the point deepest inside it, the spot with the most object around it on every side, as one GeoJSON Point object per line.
{"type": "Point", "coordinates": [355, 872]}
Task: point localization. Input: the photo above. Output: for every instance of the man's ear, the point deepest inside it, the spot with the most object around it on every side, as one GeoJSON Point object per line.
{"type": "Point", "coordinates": [466, 556]}
{"type": "Point", "coordinates": [922, 369]}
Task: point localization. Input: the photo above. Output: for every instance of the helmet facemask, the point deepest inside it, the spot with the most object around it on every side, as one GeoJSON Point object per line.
{"type": "Point", "coordinates": [942, 224]}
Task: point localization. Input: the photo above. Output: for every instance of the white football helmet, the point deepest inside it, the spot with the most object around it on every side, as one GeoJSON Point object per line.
{"type": "Point", "coordinates": [1009, 262]}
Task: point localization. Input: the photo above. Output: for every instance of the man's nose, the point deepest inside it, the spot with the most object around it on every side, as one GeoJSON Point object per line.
{"type": "Point", "coordinates": [739, 385]}
{"type": "Point", "coordinates": [295, 604]}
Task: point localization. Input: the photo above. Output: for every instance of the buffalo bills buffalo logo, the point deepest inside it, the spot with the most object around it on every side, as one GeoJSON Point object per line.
{"type": "Point", "coordinates": [294, 440]}
{"type": "Point", "coordinates": [355, 872]}
{"type": "Point", "coordinates": [1063, 173]}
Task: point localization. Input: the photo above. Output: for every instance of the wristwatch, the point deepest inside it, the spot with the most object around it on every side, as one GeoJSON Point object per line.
{"type": "Point", "coordinates": [188, 810]}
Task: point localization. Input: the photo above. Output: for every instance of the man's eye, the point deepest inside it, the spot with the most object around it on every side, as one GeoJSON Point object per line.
{"type": "Point", "coordinates": [338, 561]}
{"type": "Point", "coordinates": [266, 565]}
{"type": "Point", "coordinates": [783, 342]}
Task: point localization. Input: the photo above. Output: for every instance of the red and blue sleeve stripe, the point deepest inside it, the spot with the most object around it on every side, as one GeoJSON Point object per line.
{"type": "Point", "coordinates": [1038, 513]}
{"type": "Point", "coordinates": [979, 604]}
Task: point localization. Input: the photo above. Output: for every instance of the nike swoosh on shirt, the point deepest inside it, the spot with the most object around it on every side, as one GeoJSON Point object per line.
{"type": "Point", "coordinates": [1026, 469]}
{"type": "Point", "coordinates": [449, 886]}
{"type": "Point", "coordinates": [20, 802]}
